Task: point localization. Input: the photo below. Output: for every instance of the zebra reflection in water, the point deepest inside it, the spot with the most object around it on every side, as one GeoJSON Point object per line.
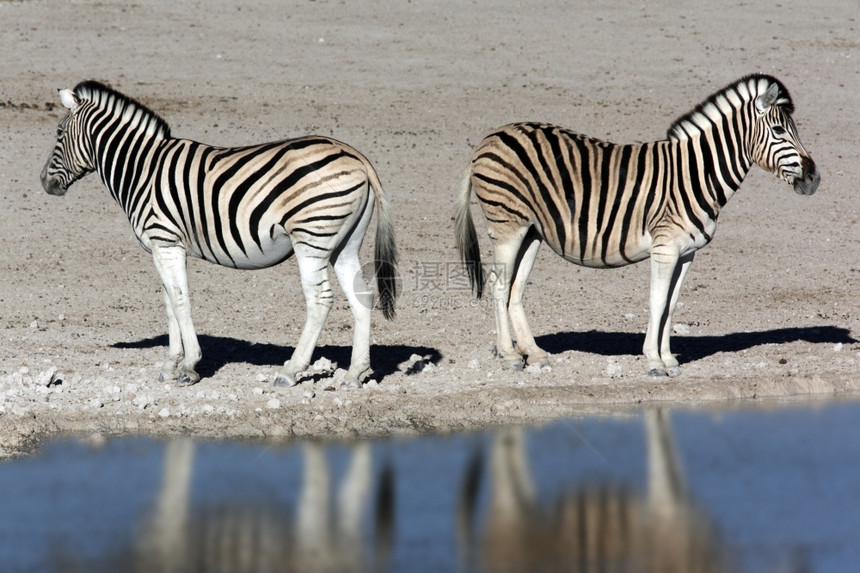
{"type": "Point", "coordinates": [588, 528]}
{"type": "Point", "coordinates": [239, 538]}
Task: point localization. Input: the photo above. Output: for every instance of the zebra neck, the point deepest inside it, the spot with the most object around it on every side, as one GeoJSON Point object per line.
{"type": "Point", "coordinates": [124, 163]}
{"type": "Point", "coordinates": [709, 167]}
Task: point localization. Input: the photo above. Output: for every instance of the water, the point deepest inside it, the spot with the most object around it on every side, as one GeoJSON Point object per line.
{"type": "Point", "coordinates": [743, 491]}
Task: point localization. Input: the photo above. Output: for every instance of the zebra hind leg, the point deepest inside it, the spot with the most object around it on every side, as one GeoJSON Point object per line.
{"type": "Point", "coordinates": [526, 344]}
{"type": "Point", "coordinates": [313, 268]}
{"type": "Point", "coordinates": [347, 267]}
{"type": "Point", "coordinates": [500, 277]}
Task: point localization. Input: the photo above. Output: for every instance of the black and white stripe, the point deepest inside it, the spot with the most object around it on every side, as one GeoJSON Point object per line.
{"type": "Point", "coordinates": [246, 208]}
{"type": "Point", "coordinates": [602, 205]}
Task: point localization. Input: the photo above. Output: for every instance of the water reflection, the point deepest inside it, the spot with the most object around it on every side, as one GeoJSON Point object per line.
{"type": "Point", "coordinates": [584, 495]}
{"type": "Point", "coordinates": [233, 536]}
{"type": "Point", "coordinates": [594, 527]}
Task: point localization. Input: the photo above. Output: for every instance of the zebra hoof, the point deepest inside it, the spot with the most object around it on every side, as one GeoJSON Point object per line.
{"type": "Point", "coordinates": [676, 371]}
{"type": "Point", "coordinates": [188, 379]}
{"type": "Point", "coordinates": [284, 381]}
{"type": "Point", "coordinates": [658, 373]}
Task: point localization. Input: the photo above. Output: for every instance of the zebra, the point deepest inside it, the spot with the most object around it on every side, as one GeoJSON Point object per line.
{"type": "Point", "coordinates": [604, 205]}
{"type": "Point", "coordinates": [246, 208]}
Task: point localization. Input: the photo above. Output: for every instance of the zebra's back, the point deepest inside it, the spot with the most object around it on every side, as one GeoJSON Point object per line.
{"type": "Point", "coordinates": [246, 207]}
{"type": "Point", "coordinates": [584, 196]}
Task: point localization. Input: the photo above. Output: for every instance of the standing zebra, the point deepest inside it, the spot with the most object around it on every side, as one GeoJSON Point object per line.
{"type": "Point", "coordinates": [603, 205]}
{"type": "Point", "coordinates": [246, 208]}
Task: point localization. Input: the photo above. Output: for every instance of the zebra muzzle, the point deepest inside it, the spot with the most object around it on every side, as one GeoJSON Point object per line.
{"type": "Point", "coordinates": [808, 182]}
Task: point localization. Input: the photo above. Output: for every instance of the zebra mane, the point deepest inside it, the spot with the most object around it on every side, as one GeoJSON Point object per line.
{"type": "Point", "coordinates": [122, 106]}
{"type": "Point", "coordinates": [734, 95]}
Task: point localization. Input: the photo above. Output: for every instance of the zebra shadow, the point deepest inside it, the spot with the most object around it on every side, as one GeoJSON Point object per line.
{"type": "Point", "coordinates": [218, 351]}
{"type": "Point", "coordinates": [690, 348]}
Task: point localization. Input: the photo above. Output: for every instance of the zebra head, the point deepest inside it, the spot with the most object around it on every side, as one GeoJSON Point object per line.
{"type": "Point", "coordinates": [776, 144]}
{"type": "Point", "coordinates": [71, 158]}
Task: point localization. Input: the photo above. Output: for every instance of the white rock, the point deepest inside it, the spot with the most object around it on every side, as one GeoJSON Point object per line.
{"type": "Point", "coordinates": [681, 328]}
{"type": "Point", "coordinates": [323, 365]}
{"type": "Point", "coordinates": [474, 364]}
{"type": "Point", "coordinates": [837, 347]}
{"type": "Point", "coordinates": [258, 391]}
{"type": "Point", "coordinates": [273, 404]}
{"type": "Point", "coordinates": [164, 413]}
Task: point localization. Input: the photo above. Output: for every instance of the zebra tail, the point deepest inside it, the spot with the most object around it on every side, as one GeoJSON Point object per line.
{"type": "Point", "coordinates": [385, 254]}
{"type": "Point", "coordinates": [467, 238]}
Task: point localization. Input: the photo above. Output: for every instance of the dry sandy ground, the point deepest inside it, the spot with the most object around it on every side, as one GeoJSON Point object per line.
{"type": "Point", "coordinates": [768, 310]}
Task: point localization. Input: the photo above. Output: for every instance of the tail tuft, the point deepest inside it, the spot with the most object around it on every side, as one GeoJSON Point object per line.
{"type": "Point", "coordinates": [385, 255]}
{"type": "Point", "coordinates": [467, 238]}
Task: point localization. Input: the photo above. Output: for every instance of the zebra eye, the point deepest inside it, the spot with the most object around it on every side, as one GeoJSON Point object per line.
{"type": "Point", "coordinates": [778, 130]}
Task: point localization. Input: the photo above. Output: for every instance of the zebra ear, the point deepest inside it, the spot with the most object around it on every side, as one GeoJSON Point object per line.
{"type": "Point", "coordinates": [767, 99]}
{"type": "Point", "coordinates": [69, 99]}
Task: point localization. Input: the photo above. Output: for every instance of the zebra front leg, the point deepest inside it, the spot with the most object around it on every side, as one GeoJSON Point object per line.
{"type": "Point", "coordinates": [318, 301]}
{"type": "Point", "coordinates": [183, 351]}
{"type": "Point", "coordinates": [667, 274]}
{"type": "Point", "coordinates": [175, 354]}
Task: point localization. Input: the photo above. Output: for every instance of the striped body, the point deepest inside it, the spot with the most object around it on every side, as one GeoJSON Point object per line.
{"type": "Point", "coordinates": [244, 207]}
{"type": "Point", "coordinates": [600, 204]}
{"type": "Point", "coordinates": [247, 208]}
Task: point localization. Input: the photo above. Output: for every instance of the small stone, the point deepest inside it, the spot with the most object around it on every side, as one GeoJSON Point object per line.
{"type": "Point", "coordinates": [258, 391]}
{"type": "Point", "coordinates": [164, 413]}
{"type": "Point", "coordinates": [837, 347]}
{"type": "Point", "coordinates": [273, 404]}
{"type": "Point", "coordinates": [474, 364]}
{"type": "Point", "coordinates": [681, 328]}
{"type": "Point", "coordinates": [323, 365]}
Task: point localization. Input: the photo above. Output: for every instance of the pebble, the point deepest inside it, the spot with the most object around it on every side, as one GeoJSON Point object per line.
{"type": "Point", "coordinates": [273, 404]}
{"type": "Point", "coordinates": [323, 365]}
{"type": "Point", "coordinates": [164, 413]}
{"type": "Point", "coordinates": [681, 328]}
